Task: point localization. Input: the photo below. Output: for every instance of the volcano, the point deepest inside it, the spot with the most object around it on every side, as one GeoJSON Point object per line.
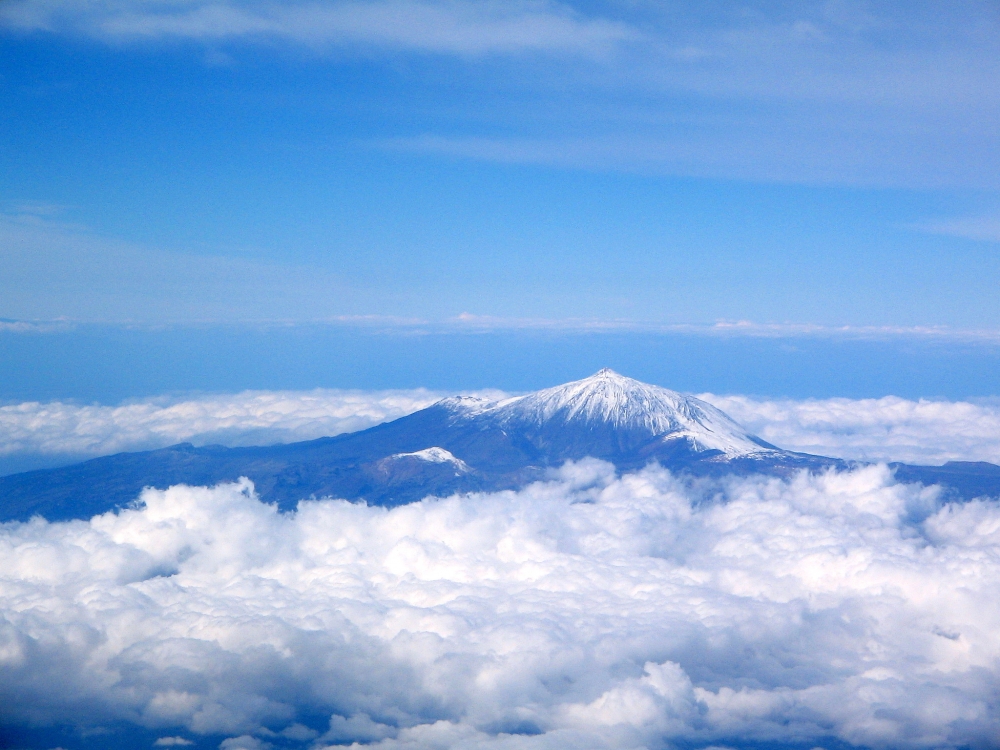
{"type": "Point", "coordinates": [459, 444]}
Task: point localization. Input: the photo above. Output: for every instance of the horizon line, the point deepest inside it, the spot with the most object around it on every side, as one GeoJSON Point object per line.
{"type": "Point", "coordinates": [468, 323]}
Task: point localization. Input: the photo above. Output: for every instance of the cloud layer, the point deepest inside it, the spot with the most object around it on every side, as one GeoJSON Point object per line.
{"type": "Point", "coordinates": [248, 418]}
{"type": "Point", "coordinates": [882, 429]}
{"type": "Point", "coordinates": [586, 611]}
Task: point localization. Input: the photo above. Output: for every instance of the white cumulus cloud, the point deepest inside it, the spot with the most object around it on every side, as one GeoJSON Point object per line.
{"type": "Point", "coordinates": [876, 429]}
{"type": "Point", "coordinates": [588, 611]}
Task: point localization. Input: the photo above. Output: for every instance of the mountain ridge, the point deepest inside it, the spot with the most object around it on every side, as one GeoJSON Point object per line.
{"type": "Point", "coordinates": [459, 444]}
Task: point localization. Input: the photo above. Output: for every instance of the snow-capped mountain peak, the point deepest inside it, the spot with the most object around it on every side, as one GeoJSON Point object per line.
{"type": "Point", "coordinates": [609, 400]}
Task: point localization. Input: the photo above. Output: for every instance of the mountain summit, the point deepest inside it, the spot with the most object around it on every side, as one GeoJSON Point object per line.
{"type": "Point", "coordinates": [609, 401]}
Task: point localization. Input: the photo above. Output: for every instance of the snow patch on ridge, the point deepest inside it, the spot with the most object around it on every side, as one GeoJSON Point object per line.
{"type": "Point", "coordinates": [436, 455]}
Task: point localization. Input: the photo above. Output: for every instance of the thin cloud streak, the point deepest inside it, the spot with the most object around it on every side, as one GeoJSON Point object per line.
{"type": "Point", "coordinates": [462, 28]}
{"type": "Point", "coordinates": [978, 228]}
{"type": "Point", "coordinates": [751, 329]}
{"type": "Point", "coordinates": [89, 277]}
{"type": "Point", "coordinates": [34, 326]}
{"type": "Point", "coordinates": [805, 148]}
{"type": "Point", "coordinates": [468, 323]}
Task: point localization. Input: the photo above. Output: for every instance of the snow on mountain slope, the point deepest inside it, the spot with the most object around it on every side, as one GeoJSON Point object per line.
{"type": "Point", "coordinates": [609, 399]}
{"type": "Point", "coordinates": [436, 455]}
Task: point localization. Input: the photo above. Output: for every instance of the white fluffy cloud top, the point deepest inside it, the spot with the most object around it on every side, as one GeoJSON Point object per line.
{"type": "Point", "coordinates": [873, 429]}
{"type": "Point", "coordinates": [587, 611]}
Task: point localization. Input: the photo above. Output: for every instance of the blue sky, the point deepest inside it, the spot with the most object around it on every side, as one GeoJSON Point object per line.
{"type": "Point", "coordinates": [524, 164]}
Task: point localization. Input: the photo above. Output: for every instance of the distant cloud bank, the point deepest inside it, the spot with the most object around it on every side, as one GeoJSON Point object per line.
{"type": "Point", "coordinates": [731, 328]}
{"type": "Point", "coordinates": [30, 326]}
{"type": "Point", "coordinates": [885, 429]}
{"type": "Point", "coordinates": [248, 418]}
{"type": "Point", "coordinates": [587, 611]}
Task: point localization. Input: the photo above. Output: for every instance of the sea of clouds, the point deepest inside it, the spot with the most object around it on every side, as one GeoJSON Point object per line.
{"type": "Point", "coordinates": [36, 433]}
{"type": "Point", "coordinates": [586, 611]}
{"type": "Point", "coordinates": [885, 429]}
{"type": "Point", "coordinates": [873, 429]}
{"type": "Point", "coordinates": [247, 418]}
{"type": "Point", "coordinates": [590, 610]}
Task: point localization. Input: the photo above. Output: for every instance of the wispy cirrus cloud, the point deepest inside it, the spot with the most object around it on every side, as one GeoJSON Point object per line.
{"type": "Point", "coordinates": [809, 148]}
{"type": "Point", "coordinates": [52, 269]}
{"type": "Point", "coordinates": [857, 93]}
{"type": "Point", "coordinates": [462, 28]}
{"type": "Point", "coordinates": [979, 228]}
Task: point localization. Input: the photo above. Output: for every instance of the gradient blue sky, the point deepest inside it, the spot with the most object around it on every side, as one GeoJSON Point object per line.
{"type": "Point", "coordinates": [530, 164]}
